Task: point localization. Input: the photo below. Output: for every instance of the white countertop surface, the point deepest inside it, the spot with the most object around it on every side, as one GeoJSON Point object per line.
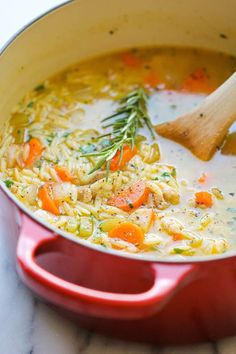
{"type": "Point", "coordinates": [26, 325]}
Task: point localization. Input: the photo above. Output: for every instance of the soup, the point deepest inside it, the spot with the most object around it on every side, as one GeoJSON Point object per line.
{"type": "Point", "coordinates": [80, 152]}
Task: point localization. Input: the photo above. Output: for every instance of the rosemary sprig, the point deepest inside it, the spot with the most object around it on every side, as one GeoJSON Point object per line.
{"type": "Point", "coordinates": [124, 124]}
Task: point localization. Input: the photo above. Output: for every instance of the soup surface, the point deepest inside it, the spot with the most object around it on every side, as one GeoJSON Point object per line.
{"type": "Point", "coordinates": [153, 197]}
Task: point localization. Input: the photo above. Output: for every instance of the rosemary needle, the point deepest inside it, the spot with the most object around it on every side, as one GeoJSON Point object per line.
{"type": "Point", "coordinates": [124, 125]}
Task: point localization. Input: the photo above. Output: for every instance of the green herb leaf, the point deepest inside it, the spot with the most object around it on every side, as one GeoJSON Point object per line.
{"type": "Point", "coordinates": [8, 183]}
{"type": "Point", "coordinates": [124, 125]}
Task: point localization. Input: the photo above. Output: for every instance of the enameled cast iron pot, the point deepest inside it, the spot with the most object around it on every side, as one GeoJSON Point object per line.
{"type": "Point", "coordinates": [146, 300]}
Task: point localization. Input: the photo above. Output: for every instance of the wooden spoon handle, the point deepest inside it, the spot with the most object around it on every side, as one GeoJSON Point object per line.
{"type": "Point", "coordinates": [204, 129]}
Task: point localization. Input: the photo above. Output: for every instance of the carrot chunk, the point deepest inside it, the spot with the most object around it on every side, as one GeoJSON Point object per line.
{"type": "Point", "coordinates": [64, 174]}
{"type": "Point", "coordinates": [130, 60]}
{"type": "Point", "coordinates": [35, 151]}
{"type": "Point", "coordinates": [198, 82]}
{"type": "Point", "coordinates": [177, 237]}
{"type": "Point", "coordinates": [128, 232]}
{"type": "Point", "coordinates": [151, 79]}
{"type": "Point", "coordinates": [48, 203]}
{"type": "Point", "coordinates": [203, 178]}
{"type": "Point", "coordinates": [131, 198]}
{"type": "Point", "coordinates": [118, 163]}
{"type": "Point", "coordinates": [204, 198]}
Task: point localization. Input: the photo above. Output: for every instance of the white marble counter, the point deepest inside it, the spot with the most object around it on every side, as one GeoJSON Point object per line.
{"type": "Point", "coordinates": [26, 325]}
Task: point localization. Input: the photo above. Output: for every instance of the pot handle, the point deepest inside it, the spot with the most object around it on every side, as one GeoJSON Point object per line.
{"type": "Point", "coordinates": [167, 279]}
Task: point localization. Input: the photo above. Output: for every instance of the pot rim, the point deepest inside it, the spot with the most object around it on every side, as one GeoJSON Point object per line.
{"type": "Point", "coordinates": [22, 29]}
{"type": "Point", "coordinates": [68, 236]}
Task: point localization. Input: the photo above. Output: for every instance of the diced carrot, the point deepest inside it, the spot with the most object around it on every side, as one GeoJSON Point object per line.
{"type": "Point", "coordinates": [177, 237]}
{"type": "Point", "coordinates": [130, 60]}
{"type": "Point", "coordinates": [117, 247]}
{"type": "Point", "coordinates": [64, 174]}
{"type": "Point", "coordinates": [35, 151]}
{"type": "Point", "coordinates": [198, 82]}
{"type": "Point", "coordinates": [152, 218]}
{"type": "Point", "coordinates": [202, 178]}
{"type": "Point", "coordinates": [128, 232]}
{"type": "Point", "coordinates": [131, 198]}
{"type": "Point", "coordinates": [151, 79]}
{"type": "Point", "coordinates": [48, 203]}
{"type": "Point", "coordinates": [204, 198]}
{"type": "Point", "coordinates": [127, 155]}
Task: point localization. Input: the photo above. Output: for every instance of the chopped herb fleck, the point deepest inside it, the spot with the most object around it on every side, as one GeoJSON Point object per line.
{"type": "Point", "coordinates": [173, 106]}
{"type": "Point", "coordinates": [231, 210]}
{"type": "Point", "coordinates": [173, 173]}
{"type": "Point", "coordinates": [38, 163]}
{"type": "Point", "coordinates": [50, 138]}
{"type": "Point", "coordinates": [39, 88]}
{"type": "Point", "coordinates": [178, 250]}
{"type": "Point", "coordinates": [105, 143]}
{"type": "Point", "coordinates": [8, 183]}
{"type": "Point", "coordinates": [129, 204]}
{"type": "Point", "coordinates": [165, 175]}
{"type": "Point", "coordinates": [49, 141]}
{"type": "Point", "coordinates": [223, 35]}
{"type": "Point", "coordinates": [103, 245]}
{"type": "Point", "coordinates": [87, 149]}
{"type": "Point", "coordinates": [30, 104]}
{"type": "Point", "coordinates": [66, 134]}
{"type": "Point", "coordinates": [112, 31]}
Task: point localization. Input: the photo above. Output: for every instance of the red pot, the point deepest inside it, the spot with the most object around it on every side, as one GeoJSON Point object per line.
{"type": "Point", "coordinates": [123, 296]}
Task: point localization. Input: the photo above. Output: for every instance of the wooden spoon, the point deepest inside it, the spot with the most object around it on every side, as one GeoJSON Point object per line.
{"type": "Point", "coordinates": [204, 129]}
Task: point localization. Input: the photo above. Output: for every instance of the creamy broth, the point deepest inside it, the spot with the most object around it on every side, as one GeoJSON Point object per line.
{"type": "Point", "coordinates": [221, 172]}
{"type": "Point", "coordinates": [66, 109]}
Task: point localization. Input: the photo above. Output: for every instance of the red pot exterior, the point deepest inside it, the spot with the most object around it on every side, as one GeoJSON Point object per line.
{"type": "Point", "coordinates": [116, 296]}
